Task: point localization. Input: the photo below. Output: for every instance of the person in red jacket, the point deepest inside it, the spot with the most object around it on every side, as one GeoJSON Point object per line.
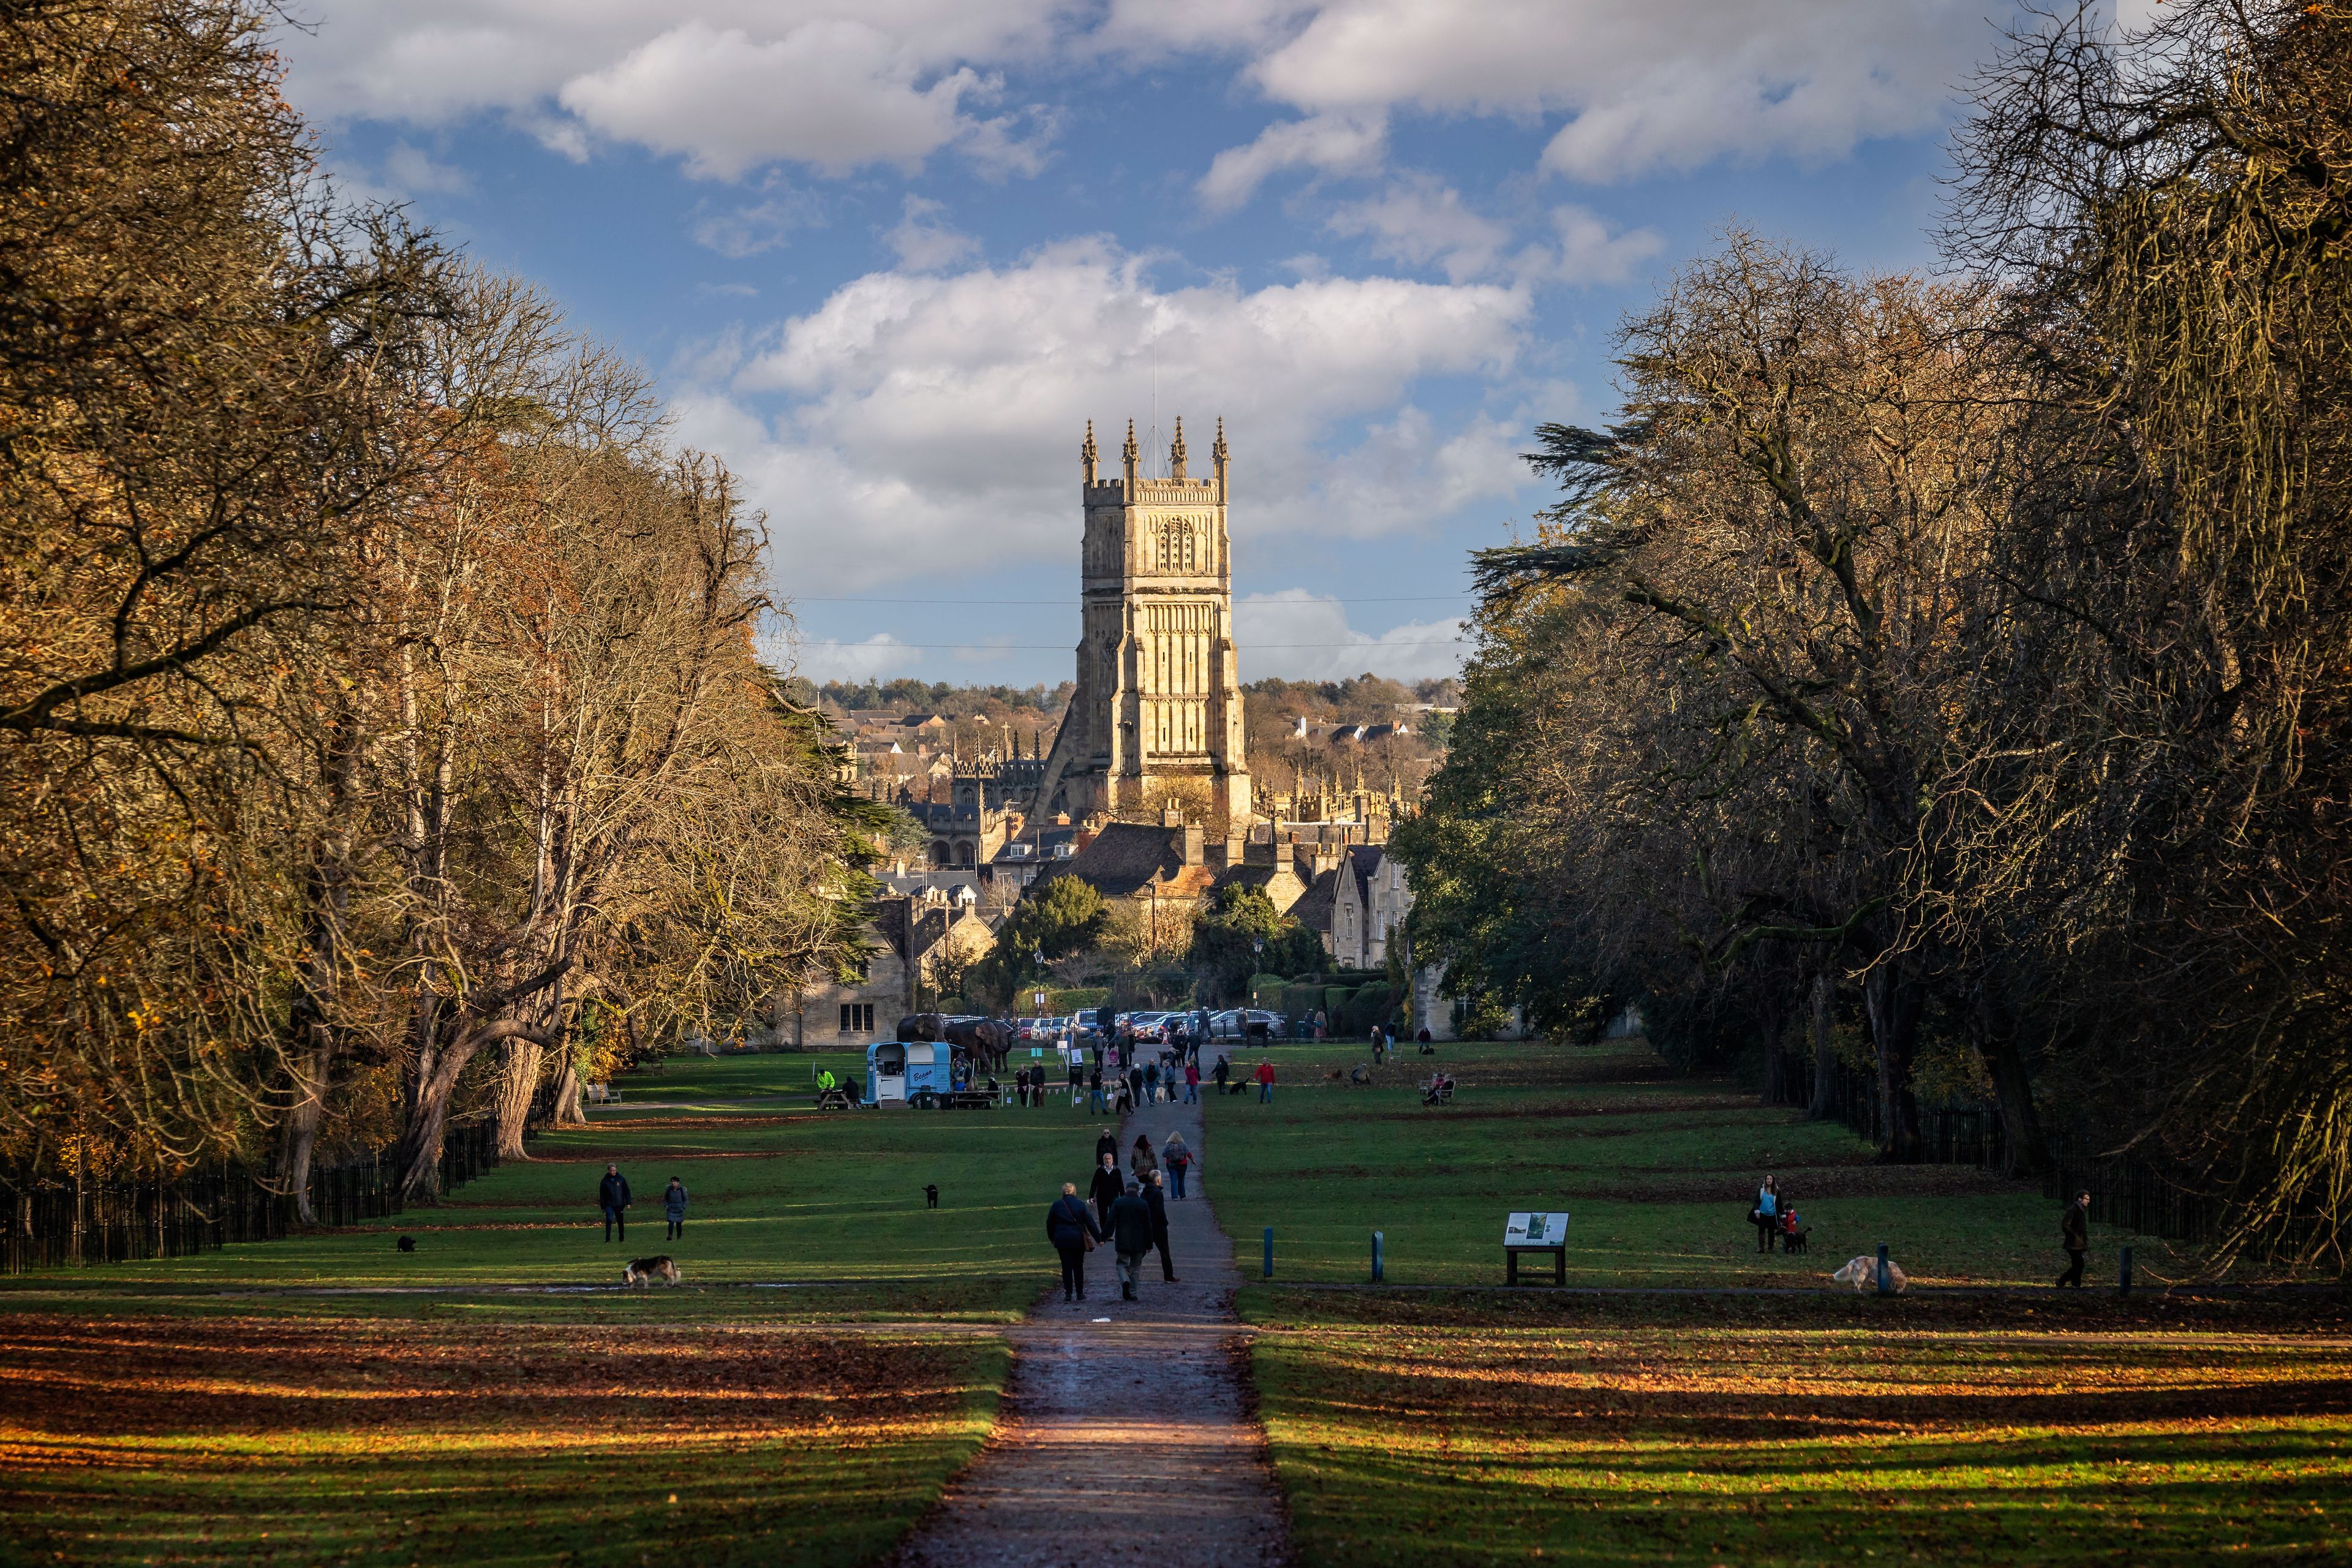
{"type": "Point", "coordinates": [1265, 1082]}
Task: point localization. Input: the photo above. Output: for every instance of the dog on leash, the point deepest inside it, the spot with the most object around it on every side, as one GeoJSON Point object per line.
{"type": "Point", "coordinates": [645, 1270]}
{"type": "Point", "coordinates": [1794, 1240]}
{"type": "Point", "coordinates": [1862, 1275]}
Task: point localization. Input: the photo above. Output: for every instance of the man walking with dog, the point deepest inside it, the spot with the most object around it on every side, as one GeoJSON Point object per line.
{"type": "Point", "coordinates": [612, 1198]}
{"type": "Point", "coordinates": [2074, 1236]}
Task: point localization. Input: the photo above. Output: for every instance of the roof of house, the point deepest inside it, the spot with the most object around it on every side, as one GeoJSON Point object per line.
{"type": "Point", "coordinates": [1121, 860]}
{"type": "Point", "coordinates": [1312, 909]}
{"type": "Point", "coordinates": [1363, 860]}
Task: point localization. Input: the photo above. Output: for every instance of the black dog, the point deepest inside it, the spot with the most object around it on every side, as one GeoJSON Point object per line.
{"type": "Point", "coordinates": [931, 1197]}
{"type": "Point", "coordinates": [1795, 1240]}
{"type": "Point", "coordinates": [406, 1243]}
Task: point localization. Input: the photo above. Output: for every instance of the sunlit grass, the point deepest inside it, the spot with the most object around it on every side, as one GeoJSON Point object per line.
{"type": "Point", "coordinates": [1421, 1445]}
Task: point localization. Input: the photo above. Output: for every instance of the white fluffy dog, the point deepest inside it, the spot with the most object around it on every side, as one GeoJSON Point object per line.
{"type": "Point", "coordinates": [1862, 1275]}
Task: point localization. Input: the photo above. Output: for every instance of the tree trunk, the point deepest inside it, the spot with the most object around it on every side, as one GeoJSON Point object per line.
{"type": "Point", "coordinates": [2022, 1150]}
{"type": "Point", "coordinates": [303, 1118]}
{"type": "Point", "coordinates": [518, 1082]}
{"type": "Point", "coordinates": [1892, 997]}
{"type": "Point", "coordinates": [567, 1099]}
{"type": "Point", "coordinates": [420, 1147]}
{"type": "Point", "coordinates": [1825, 1062]}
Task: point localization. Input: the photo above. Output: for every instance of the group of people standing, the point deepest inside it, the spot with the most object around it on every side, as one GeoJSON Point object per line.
{"type": "Point", "coordinates": [612, 1198]}
{"type": "Point", "coordinates": [1128, 1210]}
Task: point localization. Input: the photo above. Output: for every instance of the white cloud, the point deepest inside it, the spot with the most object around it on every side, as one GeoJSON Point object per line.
{"type": "Point", "coordinates": [1329, 143]}
{"type": "Point", "coordinates": [1666, 84]}
{"type": "Point", "coordinates": [743, 231]}
{"type": "Point", "coordinates": [1419, 219]}
{"type": "Point", "coordinates": [833, 94]}
{"type": "Point", "coordinates": [413, 173]}
{"type": "Point", "coordinates": [923, 243]}
{"type": "Point", "coordinates": [822, 660]}
{"type": "Point", "coordinates": [1590, 250]}
{"type": "Point", "coordinates": [1300, 635]}
{"type": "Point", "coordinates": [728, 85]}
{"type": "Point", "coordinates": [933, 423]}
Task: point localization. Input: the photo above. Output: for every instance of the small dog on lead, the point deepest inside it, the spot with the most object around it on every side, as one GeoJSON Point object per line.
{"type": "Point", "coordinates": [645, 1270]}
{"type": "Point", "coordinates": [1862, 1275]}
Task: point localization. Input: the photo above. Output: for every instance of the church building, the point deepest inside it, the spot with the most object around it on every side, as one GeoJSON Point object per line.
{"type": "Point", "coordinates": [1156, 721]}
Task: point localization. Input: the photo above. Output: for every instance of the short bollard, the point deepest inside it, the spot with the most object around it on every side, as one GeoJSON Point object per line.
{"type": "Point", "coordinates": [1269, 1252]}
{"type": "Point", "coordinates": [1376, 1257]}
{"type": "Point", "coordinates": [1886, 1281]}
{"type": "Point", "coordinates": [2124, 1289]}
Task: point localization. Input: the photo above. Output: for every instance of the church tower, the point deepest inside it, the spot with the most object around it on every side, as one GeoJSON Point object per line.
{"type": "Point", "coordinates": [1157, 718]}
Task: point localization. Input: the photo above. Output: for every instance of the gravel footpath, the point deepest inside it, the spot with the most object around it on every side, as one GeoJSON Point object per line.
{"type": "Point", "coordinates": [1125, 1441]}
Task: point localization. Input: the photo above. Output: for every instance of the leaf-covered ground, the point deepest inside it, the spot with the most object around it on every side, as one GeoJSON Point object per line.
{"type": "Point", "coordinates": [178, 1440]}
{"type": "Point", "coordinates": [1426, 1443]}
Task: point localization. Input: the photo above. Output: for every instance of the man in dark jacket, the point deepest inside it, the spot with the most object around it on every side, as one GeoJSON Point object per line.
{"type": "Point", "coordinates": [1067, 1226]}
{"type": "Point", "coordinates": [1157, 1199]}
{"type": "Point", "coordinates": [612, 1198]}
{"type": "Point", "coordinates": [1131, 1237]}
{"type": "Point", "coordinates": [1106, 1188]}
{"type": "Point", "coordinates": [1223, 1072]}
{"type": "Point", "coordinates": [2075, 1235]}
{"type": "Point", "coordinates": [1107, 1144]}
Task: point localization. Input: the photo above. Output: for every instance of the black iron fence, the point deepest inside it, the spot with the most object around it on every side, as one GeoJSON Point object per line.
{"type": "Point", "coordinates": [58, 1225]}
{"type": "Point", "coordinates": [2128, 1191]}
{"type": "Point", "coordinates": [1960, 1135]}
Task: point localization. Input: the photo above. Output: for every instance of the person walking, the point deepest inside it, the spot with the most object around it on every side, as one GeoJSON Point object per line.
{"type": "Point", "coordinates": [1151, 1084]}
{"type": "Point", "coordinates": [1157, 1200]}
{"type": "Point", "coordinates": [1222, 1074]}
{"type": "Point", "coordinates": [1380, 1042]}
{"type": "Point", "coordinates": [612, 1198]}
{"type": "Point", "coordinates": [1105, 1189]}
{"type": "Point", "coordinates": [1767, 1214]}
{"type": "Point", "coordinates": [674, 1208]}
{"type": "Point", "coordinates": [1107, 1144]}
{"type": "Point", "coordinates": [1073, 1232]}
{"type": "Point", "coordinates": [1134, 1084]}
{"type": "Point", "coordinates": [1130, 1236]}
{"type": "Point", "coordinates": [2074, 1236]}
{"type": "Point", "coordinates": [1140, 1161]}
{"type": "Point", "coordinates": [1176, 1158]}
{"type": "Point", "coordinates": [1265, 1082]}
{"type": "Point", "coordinates": [1192, 1094]}
{"type": "Point", "coordinates": [1095, 1100]}
{"type": "Point", "coordinates": [1426, 1049]}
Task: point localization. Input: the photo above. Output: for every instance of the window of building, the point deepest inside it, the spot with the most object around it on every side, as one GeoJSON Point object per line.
{"type": "Point", "coordinates": [858, 1017]}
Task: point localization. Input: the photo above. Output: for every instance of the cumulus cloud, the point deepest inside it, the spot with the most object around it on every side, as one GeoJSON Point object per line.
{"type": "Point", "coordinates": [936, 419]}
{"type": "Point", "coordinates": [727, 85]}
{"type": "Point", "coordinates": [1589, 249]}
{"type": "Point", "coordinates": [925, 244]}
{"type": "Point", "coordinates": [1328, 143]}
{"type": "Point", "coordinates": [1420, 219]}
{"type": "Point", "coordinates": [822, 660]}
{"type": "Point", "coordinates": [1670, 84]}
{"type": "Point", "coordinates": [1300, 635]}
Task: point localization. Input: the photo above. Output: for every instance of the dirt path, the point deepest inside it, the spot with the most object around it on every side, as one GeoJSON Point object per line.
{"type": "Point", "coordinates": [1125, 1441]}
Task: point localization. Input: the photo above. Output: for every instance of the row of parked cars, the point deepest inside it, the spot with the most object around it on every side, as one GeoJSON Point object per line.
{"type": "Point", "coordinates": [1232, 1024]}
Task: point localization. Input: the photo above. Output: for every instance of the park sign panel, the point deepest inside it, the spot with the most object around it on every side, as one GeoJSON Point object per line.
{"type": "Point", "coordinates": [1536, 1230]}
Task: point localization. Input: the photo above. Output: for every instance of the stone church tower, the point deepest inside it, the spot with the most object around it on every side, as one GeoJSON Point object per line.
{"type": "Point", "coordinates": [1157, 718]}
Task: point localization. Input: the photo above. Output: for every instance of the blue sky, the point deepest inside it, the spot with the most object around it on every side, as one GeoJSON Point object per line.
{"type": "Point", "coordinates": [888, 257]}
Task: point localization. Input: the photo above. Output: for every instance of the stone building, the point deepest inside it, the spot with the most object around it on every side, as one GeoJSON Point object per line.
{"type": "Point", "coordinates": [1157, 715]}
{"type": "Point", "coordinates": [912, 935]}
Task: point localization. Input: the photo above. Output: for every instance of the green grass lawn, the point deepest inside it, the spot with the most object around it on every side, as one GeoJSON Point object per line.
{"type": "Point", "coordinates": [780, 1194]}
{"type": "Point", "coordinates": [1657, 1175]}
{"type": "Point", "coordinates": [494, 1398]}
{"type": "Point", "coordinates": [1420, 1439]}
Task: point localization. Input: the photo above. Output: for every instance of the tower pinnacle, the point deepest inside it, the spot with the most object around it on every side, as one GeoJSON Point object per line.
{"type": "Point", "coordinates": [1087, 454]}
{"type": "Point", "coordinates": [1176, 451]}
{"type": "Point", "coordinates": [1130, 454]}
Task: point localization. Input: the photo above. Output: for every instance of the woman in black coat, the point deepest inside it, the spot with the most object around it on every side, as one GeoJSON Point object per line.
{"type": "Point", "coordinates": [1067, 1226]}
